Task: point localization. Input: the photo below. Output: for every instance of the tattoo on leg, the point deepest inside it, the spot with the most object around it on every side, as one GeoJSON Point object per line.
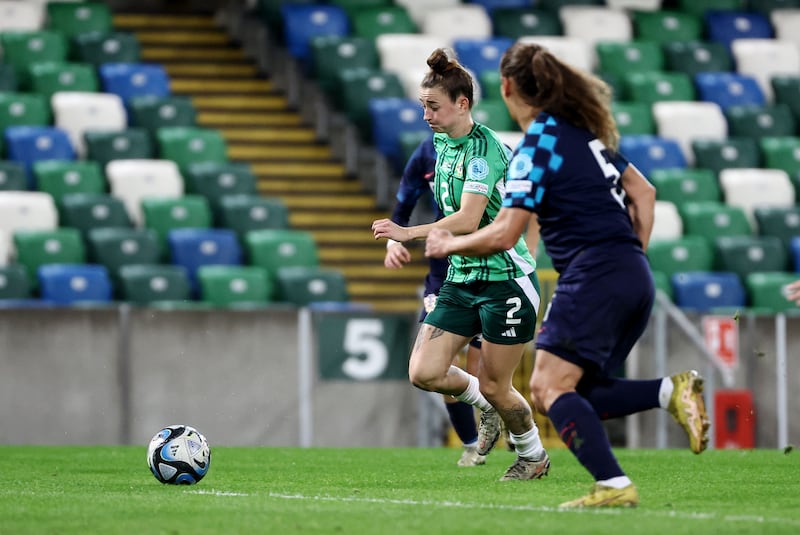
{"type": "Point", "coordinates": [518, 418]}
{"type": "Point", "coordinates": [436, 332]}
{"type": "Point", "coordinates": [418, 341]}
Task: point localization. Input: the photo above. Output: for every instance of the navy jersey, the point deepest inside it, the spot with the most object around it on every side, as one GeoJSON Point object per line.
{"type": "Point", "coordinates": [572, 182]}
{"type": "Point", "coordinates": [418, 178]}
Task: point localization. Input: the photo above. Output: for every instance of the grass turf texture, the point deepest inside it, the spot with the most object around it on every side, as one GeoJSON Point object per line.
{"type": "Point", "coordinates": [110, 490]}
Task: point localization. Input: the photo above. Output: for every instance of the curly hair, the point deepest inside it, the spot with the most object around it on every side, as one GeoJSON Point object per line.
{"type": "Point", "coordinates": [450, 75]}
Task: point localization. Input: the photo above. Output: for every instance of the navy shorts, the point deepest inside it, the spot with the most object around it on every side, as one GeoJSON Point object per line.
{"type": "Point", "coordinates": [600, 308]}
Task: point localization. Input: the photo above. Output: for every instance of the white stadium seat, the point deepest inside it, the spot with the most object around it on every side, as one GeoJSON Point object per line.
{"type": "Point", "coordinates": [667, 222]}
{"type": "Point", "coordinates": [133, 180]}
{"type": "Point", "coordinates": [764, 58]}
{"type": "Point", "coordinates": [571, 50]}
{"type": "Point", "coordinates": [21, 16]}
{"type": "Point", "coordinates": [418, 9]}
{"type": "Point", "coordinates": [635, 5]}
{"type": "Point", "coordinates": [594, 24]}
{"type": "Point", "coordinates": [755, 188]}
{"type": "Point", "coordinates": [786, 24]}
{"type": "Point", "coordinates": [77, 112]}
{"type": "Point", "coordinates": [457, 22]}
{"type": "Point", "coordinates": [686, 121]}
{"type": "Point", "coordinates": [24, 210]}
{"type": "Point", "coordinates": [406, 55]}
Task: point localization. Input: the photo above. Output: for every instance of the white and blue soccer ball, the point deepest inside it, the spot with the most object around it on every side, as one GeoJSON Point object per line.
{"type": "Point", "coordinates": [179, 455]}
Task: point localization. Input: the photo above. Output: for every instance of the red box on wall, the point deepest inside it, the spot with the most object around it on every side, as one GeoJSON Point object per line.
{"type": "Point", "coordinates": [734, 419]}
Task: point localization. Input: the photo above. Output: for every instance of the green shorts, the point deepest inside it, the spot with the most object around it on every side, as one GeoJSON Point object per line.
{"type": "Point", "coordinates": [503, 311]}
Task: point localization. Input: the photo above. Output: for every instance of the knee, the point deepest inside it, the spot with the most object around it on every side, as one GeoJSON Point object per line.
{"type": "Point", "coordinates": [422, 378]}
{"type": "Point", "coordinates": [540, 395]}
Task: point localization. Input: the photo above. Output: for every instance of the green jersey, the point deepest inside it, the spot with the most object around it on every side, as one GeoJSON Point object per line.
{"type": "Point", "coordinates": [477, 163]}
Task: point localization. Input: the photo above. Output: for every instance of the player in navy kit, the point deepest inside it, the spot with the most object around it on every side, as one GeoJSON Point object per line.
{"type": "Point", "coordinates": [416, 180]}
{"type": "Point", "coordinates": [595, 211]}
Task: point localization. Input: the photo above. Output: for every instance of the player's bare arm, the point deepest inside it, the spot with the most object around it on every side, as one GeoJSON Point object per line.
{"type": "Point", "coordinates": [500, 235]}
{"type": "Point", "coordinates": [642, 196]}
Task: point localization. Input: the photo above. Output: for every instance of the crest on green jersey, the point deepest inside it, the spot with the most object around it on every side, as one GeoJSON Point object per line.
{"type": "Point", "coordinates": [478, 169]}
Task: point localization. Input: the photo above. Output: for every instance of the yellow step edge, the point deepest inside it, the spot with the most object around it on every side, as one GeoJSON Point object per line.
{"type": "Point", "coordinates": [185, 53]}
{"type": "Point", "coordinates": [176, 70]}
{"type": "Point", "coordinates": [381, 273]}
{"type": "Point", "coordinates": [215, 119]}
{"type": "Point", "coordinates": [283, 135]}
{"type": "Point", "coordinates": [339, 238]}
{"type": "Point", "coordinates": [297, 186]}
{"type": "Point", "coordinates": [398, 306]}
{"type": "Point", "coordinates": [252, 152]}
{"type": "Point", "coordinates": [326, 202]}
{"type": "Point", "coordinates": [343, 219]}
{"type": "Point", "coordinates": [406, 290]}
{"type": "Point", "coordinates": [284, 170]}
{"type": "Point", "coordinates": [199, 85]}
{"type": "Point", "coordinates": [131, 20]}
{"type": "Point", "coordinates": [215, 38]}
{"type": "Point", "coordinates": [351, 254]}
{"type": "Point", "coordinates": [233, 102]}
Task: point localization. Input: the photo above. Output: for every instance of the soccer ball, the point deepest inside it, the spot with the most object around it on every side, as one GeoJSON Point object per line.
{"type": "Point", "coordinates": [179, 455]}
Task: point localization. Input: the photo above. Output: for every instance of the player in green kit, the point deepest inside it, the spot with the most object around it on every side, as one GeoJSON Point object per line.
{"type": "Point", "coordinates": [496, 296]}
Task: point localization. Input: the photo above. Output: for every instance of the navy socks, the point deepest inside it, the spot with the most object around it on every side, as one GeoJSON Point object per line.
{"type": "Point", "coordinates": [462, 416]}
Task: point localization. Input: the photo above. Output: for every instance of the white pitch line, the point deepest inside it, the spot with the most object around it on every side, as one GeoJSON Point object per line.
{"type": "Point", "coordinates": [740, 519]}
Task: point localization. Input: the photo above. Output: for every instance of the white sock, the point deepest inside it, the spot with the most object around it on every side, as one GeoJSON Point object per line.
{"type": "Point", "coordinates": [665, 392]}
{"type": "Point", "coordinates": [619, 482]}
{"type": "Point", "coordinates": [473, 396]}
{"type": "Point", "coordinates": [528, 444]}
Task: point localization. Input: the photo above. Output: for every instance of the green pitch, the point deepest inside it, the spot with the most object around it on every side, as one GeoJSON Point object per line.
{"type": "Point", "coordinates": [108, 490]}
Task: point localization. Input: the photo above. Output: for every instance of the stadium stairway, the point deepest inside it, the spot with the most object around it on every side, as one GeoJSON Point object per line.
{"type": "Point", "coordinates": [259, 127]}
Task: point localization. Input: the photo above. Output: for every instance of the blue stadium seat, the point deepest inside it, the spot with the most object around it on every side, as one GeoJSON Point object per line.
{"type": "Point", "coordinates": [480, 55]}
{"type": "Point", "coordinates": [649, 152]}
{"type": "Point", "coordinates": [728, 89]}
{"type": "Point", "coordinates": [724, 26]}
{"type": "Point", "coordinates": [391, 117]}
{"type": "Point", "coordinates": [30, 144]}
{"type": "Point", "coordinates": [129, 80]}
{"type": "Point", "coordinates": [704, 291]}
{"type": "Point", "coordinates": [489, 5]}
{"type": "Point", "coordinates": [195, 247]}
{"type": "Point", "coordinates": [67, 284]}
{"type": "Point", "coordinates": [302, 23]}
{"type": "Point", "coordinates": [794, 247]}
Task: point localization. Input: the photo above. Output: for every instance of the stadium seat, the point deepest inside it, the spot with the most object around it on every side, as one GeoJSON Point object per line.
{"type": "Point", "coordinates": [243, 213]}
{"type": "Point", "coordinates": [107, 47]}
{"type": "Point", "coordinates": [133, 143]}
{"type": "Point", "coordinates": [786, 90]}
{"type": "Point", "coordinates": [760, 121]}
{"type": "Point", "coordinates": [391, 117]}
{"type": "Point", "coordinates": [25, 210]}
{"type": "Point", "coordinates": [164, 214]}
{"type": "Point", "coordinates": [62, 177]}
{"type": "Point", "coordinates": [190, 145]}
{"type": "Point", "coordinates": [14, 282]}
{"type": "Point", "coordinates": [770, 7]}
{"type": "Point", "coordinates": [196, 247]}
{"type": "Point", "coordinates": [699, 7]}
{"type": "Point", "coordinates": [667, 222]}
{"type": "Point", "coordinates": [8, 78]}
{"type": "Point", "coordinates": [633, 118]}
{"type": "Point", "coordinates": [652, 152]}
{"type": "Point", "coordinates": [727, 26]}
{"type": "Point", "coordinates": [781, 222]}
{"type": "Point", "coordinates": [766, 291]}
{"type": "Point", "coordinates": [728, 89]}
{"type": "Point", "coordinates": [89, 211]}
{"type": "Point", "coordinates": [662, 283]}
{"type": "Point", "coordinates": [23, 49]}
{"type": "Point", "coordinates": [333, 54]}
{"type": "Point", "coordinates": [406, 56]}
{"type": "Point", "coordinates": [717, 155]}
{"type": "Point", "coordinates": [765, 58]}
{"type": "Point", "coordinates": [149, 284]}
{"type": "Point", "coordinates": [235, 286]}
{"type": "Point", "coordinates": [491, 5]}
{"type": "Point", "coordinates": [494, 114]}
{"type": "Point", "coordinates": [754, 187]}
{"type": "Point", "coordinates": [129, 80]}
{"type": "Point", "coordinates": [556, 5]}
{"type": "Point", "coordinates": [74, 18]}
{"type": "Point", "coordinates": [712, 220]}
{"type": "Point", "coordinates": [481, 54]}
{"type": "Point", "coordinates": [213, 180]}
{"type": "Point", "coordinates": [79, 112]}
{"type": "Point", "coordinates": [269, 12]}
{"type": "Point", "coordinates": [572, 50]}
{"type": "Point", "coordinates": [369, 23]}
{"type": "Point", "coordinates": [418, 9]}
{"type": "Point", "coordinates": [36, 248]}
{"type": "Point", "coordinates": [301, 23]}
{"type": "Point", "coordinates": [152, 113]}
{"type": "Point", "coordinates": [655, 86]}
{"type": "Point", "coordinates": [794, 250]}
{"type": "Point", "coordinates": [30, 144]}
{"type": "Point", "coordinates": [686, 185]}
{"type": "Point", "coordinates": [785, 21]}
{"type": "Point", "coordinates": [115, 247]}
{"type": "Point", "coordinates": [357, 87]}
{"type": "Point", "coordinates": [749, 254]}
{"type": "Point", "coordinates": [12, 176]}
{"type": "Point", "coordinates": [461, 21]}
{"type": "Point", "coordinates": [351, 7]}
{"type": "Point", "coordinates": [687, 121]}
{"type": "Point", "coordinates": [782, 153]}
{"type": "Point", "coordinates": [705, 291]}
{"type": "Point", "coordinates": [667, 26]}
{"type": "Point", "coordinates": [49, 78]}
{"type": "Point", "coordinates": [303, 286]}
{"type": "Point", "coordinates": [596, 24]}
{"type": "Point", "coordinates": [276, 248]}
{"type": "Point", "coordinates": [692, 57]}
{"type": "Point", "coordinates": [619, 58]}
{"type": "Point", "coordinates": [688, 253]}
{"type": "Point", "coordinates": [23, 109]}
{"type": "Point", "coordinates": [516, 22]}
{"type": "Point", "coordinates": [16, 16]}
{"type": "Point", "coordinates": [69, 284]}
{"type": "Point", "coordinates": [133, 180]}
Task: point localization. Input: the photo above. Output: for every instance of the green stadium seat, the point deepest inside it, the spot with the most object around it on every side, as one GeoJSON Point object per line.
{"type": "Point", "coordinates": [115, 247]}
{"type": "Point", "coordinates": [273, 249]}
{"type": "Point", "coordinates": [353, 7]}
{"type": "Point", "coordinates": [106, 47]}
{"type": "Point", "coordinates": [722, 154]}
{"type": "Point", "coordinates": [149, 284]}
{"type": "Point", "coordinates": [214, 180]}
{"type": "Point", "coordinates": [371, 22]}
{"type": "Point", "coordinates": [24, 109]}
{"type": "Point", "coordinates": [620, 58]}
{"type": "Point", "coordinates": [63, 177]}
{"type": "Point", "coordinates": [243, 213]}
{"type": "Point", "coordinates": [332, 54]}
{"type": "Point", "coordinates": [489, 82]}
{"type": "Point", "coordinates": [765, 291]}
{"type": "Point", "coordinates": [23, 49]}
{"type": "Point", "coordinates": [786, 90]}
{"type": "Point", "coordinates": [494, 114]}
{"type": "Point", "coordinates": [51, 77]}
{"type": "Point", "coordinates": [543, 260]}
{"type": "Point", "coordinates": [781, 222]}
{"type": "Point", "coordinates": [555, 6]}
{"type": "Point", "coordinates": [782, 153]}
{"type": "Point", "coordinates": [688, 253]}
{"type": "Point", "coordinates": [88, 211]}
{"type": "Point", "coordinates": [163, 214]}
{"type": "Point", "coordinates": [760, 121]}
{"type": "Point", "coordinates": [650, 87]}
{"type": "Point", "coordinates": [766, 7]}
{"type": "Point", "coordinates": [699, 7]}
{"type": "Point", "coordinates": [8, 78]}
{"type": "Point", "coordinates": [35, 248]}
{"type": "Point", "coordinates": [633, 118]}
{"type": "Point", "coordinates": [665, 26]}
{"type": "Point", "coordinates": [73, 18]}
{"type": "Point", "coordinates": [12, 176]}
{"type": "Point", "coordinates": [712, 220]}
{"type": "Point", "coordinates": [409, 141]}
{"type": "Point", "coordinates": [679, 185]}
{"type": "Point", "coordinates": [661, 281]}
{"type": "Point", "coordinates": [516, 22]}
{"type": "Point", "coordinates": [235, 286]}
{"type": "Point", "coordinates": [302, 285]}
{"type": "Point", "coordinates": [356, 87]}
{"type": "Point", "coordinates": [153, 112]}
{"type": "Point", "coordinates": [129, 144]}
{"type": "Point", "coordinates": [14, 282]}
{"type": "Point", "coordinates": [749, 254]}
{"type": "Point", "coordinates": [692, 57]}
{"type": "Point", "coordinates": [190, 145]}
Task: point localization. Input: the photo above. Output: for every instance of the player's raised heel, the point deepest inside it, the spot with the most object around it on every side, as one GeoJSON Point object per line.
{"type": "Point", "coordinates": [687, 407]}
{"type": "Point", "coordinates": [602, 496]}
{"type": "Point", "coordinates": [524, 469]}
{"type": "Point", "coordinates": [488, 431]}
{"type": "Point", "coordinates": [471, 457]}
